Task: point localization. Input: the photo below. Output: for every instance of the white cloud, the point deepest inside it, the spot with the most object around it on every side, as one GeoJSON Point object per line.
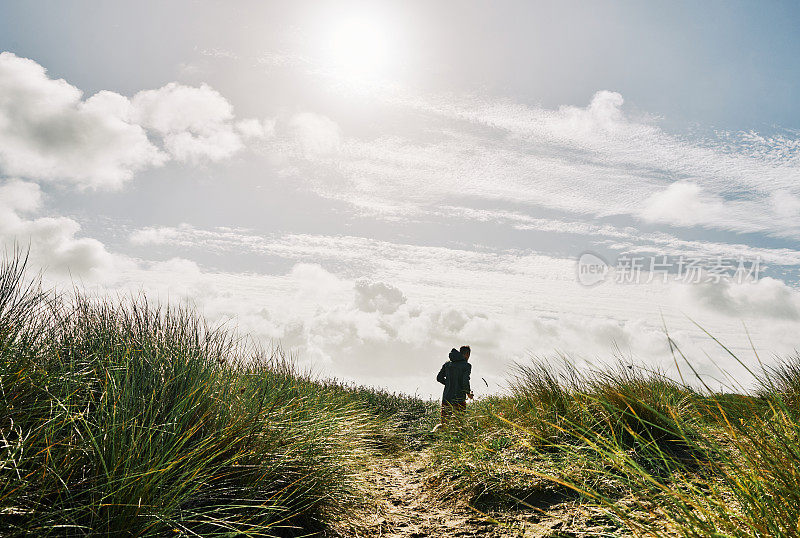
{"type": "Point", "coordinates": [595, 160]}
{"type": "Point", "coordinates": [378, 297]}
{"type": "Point", "coordinates": [357, 308]}
{"type": "Point", "coordinates": [253, 128]}
{"type": "Point", "coordinates": [314, 283]}
{"type": "Point", "coordinates": [604, 113]}
{"type": "Point", "coordinates": [48, 132]}
{"type": "Point", "coordinates": [362, 306]}
{"type": "Point", "coordinates": [175, 108]}
{"type": "Point", "coordinates": [388, 298]}
{"type": "Point", "coordinates": [683, 203]}
{"type": "Point", "coordinates": [194, 123]}
{"type": "Point", "coordinates": [54, 242]}
{"type": "Point", "coordinates": [156, 236]}
{"type": "Point", "coordinates": [18, 197]}
{"type": "Point", "coordinates": [381, 335]}
{"type": "Point", "coordinates": [315, 134]}
{"type": "Point", "coordinates": [785, 204]}
{"type": "Point", "coordinates": [765, 298]}
{"type": "Point", "coordinates": [598, 337]}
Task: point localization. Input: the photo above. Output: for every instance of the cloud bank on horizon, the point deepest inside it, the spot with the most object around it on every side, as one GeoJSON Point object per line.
{"type": "Point", "coordinates": [362, 221]}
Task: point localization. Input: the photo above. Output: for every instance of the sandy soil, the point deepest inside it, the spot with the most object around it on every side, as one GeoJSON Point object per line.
{"type": "Point", "coordinates": [407, 508]}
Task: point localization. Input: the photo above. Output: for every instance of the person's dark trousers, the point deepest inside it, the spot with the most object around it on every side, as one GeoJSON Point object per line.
{"type": "Point", "coordinates": [452, 408]}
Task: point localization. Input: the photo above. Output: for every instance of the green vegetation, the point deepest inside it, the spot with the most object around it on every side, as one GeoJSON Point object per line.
{"type": "Point", "coordinates": [656, 457]}
{"type": "Point", "coordinates": [127, 418]}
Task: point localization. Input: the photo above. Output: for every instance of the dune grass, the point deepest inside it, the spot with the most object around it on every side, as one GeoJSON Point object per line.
{"type": "Point", "coordinates": [659, 458]}
{"type": "Point", "coordinates": [127, 418]}
{"type": "Point", "coordinates": [133, 419]}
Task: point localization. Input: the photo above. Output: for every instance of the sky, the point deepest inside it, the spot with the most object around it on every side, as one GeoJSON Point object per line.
{"type": "Point", "coordinates": [370, 184]}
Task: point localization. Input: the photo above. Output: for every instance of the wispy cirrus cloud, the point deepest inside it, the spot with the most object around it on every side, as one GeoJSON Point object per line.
{"type": "Point", "coordinates": [596, 160]}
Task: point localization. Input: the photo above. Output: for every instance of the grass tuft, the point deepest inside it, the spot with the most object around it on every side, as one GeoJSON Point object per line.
{"type": "Point", "coordinates": [129, 418]}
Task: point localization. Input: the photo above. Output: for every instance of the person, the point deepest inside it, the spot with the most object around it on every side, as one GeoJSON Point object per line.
{"type": "Point", "coordinates": [454, 375]}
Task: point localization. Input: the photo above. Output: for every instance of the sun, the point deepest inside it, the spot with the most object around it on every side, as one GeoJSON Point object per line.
{"type": "Point", "coordinates": [359, 46]}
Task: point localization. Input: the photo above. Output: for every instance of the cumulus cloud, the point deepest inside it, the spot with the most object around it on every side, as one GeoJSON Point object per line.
{"type": "Point", "coordinates": [355, 308]}
{"type": "Point", "coordinates": [253, 128]}
{"type": "Point", "coordinates": [315, 134]}
{"type": "Point", "coordinates": [17, 197]}
{"type": "Point", "coordinates": [54, 242]}
{"type": "Point", "coordinates": [48, 131]}
{"type": "Point", "coordinates": [314, 282]}
{"type": "Point", "coordinates": [581, 335]}
{"type": "Point", "coordinates": [603, 113]}
{"type": "Point", "coordinates": [785, 204]}
{"type": "Point", "coordinates": [194, 123]}
{"type": "Point", "coordinates": [683, 203]}
{"type": "Point", "coordinates": [366, 338]}
{"type": "Point", "coordinates": [378, 297]}
{"type": "Point", "coordinates": [765, 298]}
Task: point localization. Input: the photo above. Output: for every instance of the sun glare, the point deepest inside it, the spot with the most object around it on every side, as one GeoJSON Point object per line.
{"type": "Point", "coordinates": [359, 46]}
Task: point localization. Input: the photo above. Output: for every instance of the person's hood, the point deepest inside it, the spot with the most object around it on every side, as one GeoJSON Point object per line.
{"type": "Point", "coordinates": [455, 355]}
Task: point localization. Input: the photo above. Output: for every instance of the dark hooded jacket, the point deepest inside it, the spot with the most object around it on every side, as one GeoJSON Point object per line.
{"type": "Point", "coordinates": [454, 375]}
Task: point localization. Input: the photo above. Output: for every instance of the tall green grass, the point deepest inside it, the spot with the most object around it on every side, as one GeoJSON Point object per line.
{"type": "Point", "coordinates": [122, 417]}
{"type": "Point", "coordinates": [658, 457]}
{"type": "Point", "coordinates": [128, 418]}
{"type": "Point", "coordinates": [401, 421]}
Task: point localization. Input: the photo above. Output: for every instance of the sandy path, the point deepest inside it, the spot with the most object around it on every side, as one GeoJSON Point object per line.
{"type": "Point", "coordinates": [407, 509]}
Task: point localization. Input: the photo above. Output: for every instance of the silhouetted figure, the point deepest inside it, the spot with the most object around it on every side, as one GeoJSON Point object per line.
{"type": "Point", "coordinates": [454, 375]}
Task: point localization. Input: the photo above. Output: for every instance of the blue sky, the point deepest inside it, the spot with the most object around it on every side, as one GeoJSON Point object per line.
{"type": "Point", "coordinates": [374, 182]}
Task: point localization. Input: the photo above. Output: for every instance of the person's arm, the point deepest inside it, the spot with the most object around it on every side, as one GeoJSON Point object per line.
{"type": "Point", "coordinates": [465, 381]}
{"type": "Point", "coordinates": [442, 377]}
